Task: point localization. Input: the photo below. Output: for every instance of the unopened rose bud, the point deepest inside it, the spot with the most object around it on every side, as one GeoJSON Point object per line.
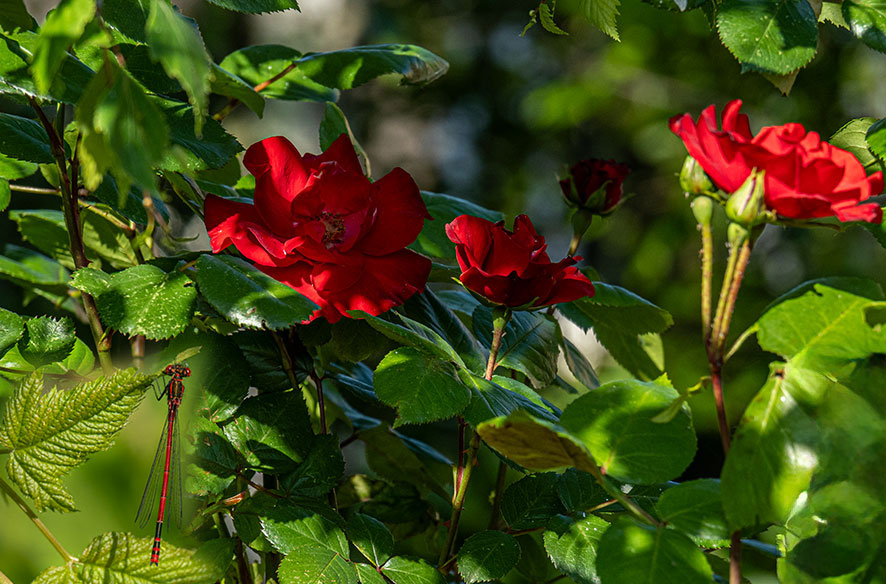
{"type": "Point", "coordinates": [747, 206]}
{"type": "Point", "coordinates": [703, 209]}
{"type": "Point", "coordinates": [694, 180]}
{"type": "Point", "coordinates": [595, 185]}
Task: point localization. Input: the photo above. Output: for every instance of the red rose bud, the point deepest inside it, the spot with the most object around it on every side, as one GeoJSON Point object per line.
{"type": "Point", "coordinates": [595, 185]}
{"type": "Point", "coordinates": [321, 227]}
{"type": "Point", "coordinates": [805, 177]}
{"type": "Point", "coordinates": [511, 268]}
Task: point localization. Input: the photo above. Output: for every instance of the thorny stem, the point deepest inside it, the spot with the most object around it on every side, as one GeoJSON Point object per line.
{"type": "Point", "coordinates": [500, 320]}
{"type": "Point", "coordinates": [10, 492]}
{"type": "Point", "coordinates": [744, 255]}
{"type": "Point", "coordinates": [72, 222]}
{"type": "Point", "coordinates": [707, 261]}
{"type": "Point", "coordinates": [714, 331]}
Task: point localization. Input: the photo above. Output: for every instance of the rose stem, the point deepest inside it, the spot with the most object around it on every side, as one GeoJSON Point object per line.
{"type": "Point", "coordinates": [496, 500]}
{"type": "Point", "coordinates": [10, 492]}
{"type": "Point", "coordinates": [707, 261]}
{"type": "Point", "coordinates": [72, 222]}
{"type": "Point", "coordinates": [500, 318]}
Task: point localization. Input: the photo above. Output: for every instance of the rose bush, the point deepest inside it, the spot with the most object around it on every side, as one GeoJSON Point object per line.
{"type": "Point", "coordinates": [512, 268]}
{"type": "Point", "coordinates": [805, 176]}
{"type": "Point", "coordinates": [595, 185]}
{"type": "Point", "coordinates": [320, 226]}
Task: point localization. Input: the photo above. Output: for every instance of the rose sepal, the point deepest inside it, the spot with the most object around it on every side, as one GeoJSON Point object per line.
{"type": "Point", "coordinates": [747, 205]}
{"type": "Point", "coordinates": [695, 181]}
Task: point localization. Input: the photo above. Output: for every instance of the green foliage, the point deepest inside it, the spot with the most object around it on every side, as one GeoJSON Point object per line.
{"type": "Point", "coordinates": [867, 20]}
{"type": "Point", "coordinates": [46, 340]}
{"type": "Point", "coordinates": [256, 6]}
{"type": "Point", "coordinates": [531, 501]}
{"type": "Point", "coordinates": [602, 14]}
{"type": "Point", "coordinates": [487, 555]}
{"type": "Point", "coordinates": [371, 537]}
{"type": "Point", "coordinates": [49, 434]}
{"type": "Point", "coordinates": [696, 509]}
{"type": "Point", "coordinates": [12, 327]}
{"type": "Point", "coordinates": [572, 545]}
{"type": "Point", "coordinates": [24, 139]}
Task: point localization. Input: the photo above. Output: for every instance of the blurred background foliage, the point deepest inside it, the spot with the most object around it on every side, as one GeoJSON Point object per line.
{"type": "Point", "coordinates": [498, 128]}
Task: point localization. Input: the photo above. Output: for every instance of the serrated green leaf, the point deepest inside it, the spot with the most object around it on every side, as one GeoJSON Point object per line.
{"type": "Point", "coordinates": [316, 565]}
{"type": "Point", "coordinates": [875, 138]}
{"type": "Point", "coordinates": [487, 555]}
{"type": "Point", "coordinates": [389, 456]}
{"type": "Point", "coordinates": [413, 334]}
{"type": "Point", "coordinates": [79, 361]}
{"type": "Point", "coordinates": [257, 6]}
{"type": "Point", "coordinates": [500, 397]}
{"type": "Point", "coordinates": [14, 15]}
{"type": "Point", "coordinates": [867, 21]}
{"type": "Point", "coordinates": [402, 570]}
{"type": "Point", "coordinates": [422, 388]}
{"type": "Point", "coordinates": [572, 546]}
{"type": "Point", "coordinates": [12, 169]}
{"type": "Point", "coordinates": [51, 433]}
{"type": "Point", "coordinates": [832, 12]}
{"type": "Point", "coordinates": [213, 149]}
{"type": "Point", "coordinates": [774, 37]}
{"type": "Point", "coordinates": [47, 340]}
{"type": "Point", "coordinates": [62, 27]}
{"type": "Point", "coordinates": [229, 85]}
{"type": "Point", "coordinates": [12, 327]}
{"type": "Point", "coordinates": [676, 5]}
{"type": "Point", "coordinates": [271, 431]}
{"type": "Point", "coordinates": [215, 462]}
{"type": "Point", "coordinates": [578, 491]}
{"type": "Point", "coordinates": [853, 137]}
{"type": "Point", "coordinates": [432, 240]}
{"type": "Point", "coordinates": [349, 68]}
{"type": "Point", "coordinates": [615, 423]}
{"type": "Point", "coordinates": [24, 139]}
{"type": "Point", "coordinates": [145, 300]}
{"type": "Point", "coordinates": [535, 444]}
{"type": "Point", "coordinates": [5, 194]}
{"type": "Point", "coordinates": [260, 63]}
{"type": "Point", "coordinates": [546, 17]}
{"type": "Point", "coordinates": [578, 364]}
{"type": "Point", "coordinates": [333, 125]}
{"type": "Point", "coordinates": [177, 45]}
{"type": "Point", "coordinates": [531, 501]}
{"type": "Point", "coordinates": [91, 280]}
{"type": "Point", "coordinates": [529, 344]}
{"type": "Point", "coordinates": [695, 508]}
{"type": "Point", "coordinates": [16, 51]}
{"type": "Point", "coordinates": [247, 297]}
{"type": "Point", "coordinates": [122, 557]}
{"type": "Point", "coordinates": [633, 552]}
{"type": "Point", "coordinates": [603, 14]}
{"type": "Point", "coordinates": [367, 574]}
{"type": "Point", "coordinates": [371, 537]}
{"type": "Point", "coordinates": [29, 268]}
{"type": "Point", "coordinates": [319, 472]}
{"type": "Point", "coordinates": [296, 527]}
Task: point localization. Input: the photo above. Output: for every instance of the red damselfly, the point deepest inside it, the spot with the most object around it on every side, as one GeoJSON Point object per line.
{"type": "Point", "coordinates": [169, 444]}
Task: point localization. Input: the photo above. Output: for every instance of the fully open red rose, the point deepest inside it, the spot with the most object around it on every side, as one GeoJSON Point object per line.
{"type": "Point", "coordinates": [805, 177]}
{"type": "Point", "coordinates": [595, 185]}
{"type": "Point", "coordinates": [320, 226]}
{"type": "Point", "coordinates": [511, 268]}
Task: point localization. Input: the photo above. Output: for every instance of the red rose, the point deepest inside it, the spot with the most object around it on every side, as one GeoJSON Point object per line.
{"type": "Point", "coordinates": [512, 268]}
{"type": "Point", "coordinates": [805, 177]}
{"type": "Point", "coordinates": [320, 226]}
{"type": "Point", "coordinates": [595, 185]}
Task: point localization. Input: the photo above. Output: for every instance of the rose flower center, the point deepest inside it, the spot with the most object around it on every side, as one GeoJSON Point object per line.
{"type": "Point", "coordinates": [335, 228]}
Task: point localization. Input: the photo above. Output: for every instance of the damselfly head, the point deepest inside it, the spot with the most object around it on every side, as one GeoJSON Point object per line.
{"type": "Point", "coordinates": [177, 370]}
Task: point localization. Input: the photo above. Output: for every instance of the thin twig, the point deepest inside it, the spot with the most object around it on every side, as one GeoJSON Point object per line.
{"type": "Point", "coordinates": [10, 492]}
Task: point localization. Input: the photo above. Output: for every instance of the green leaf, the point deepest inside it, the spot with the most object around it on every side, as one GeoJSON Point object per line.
{"type": "Point", "coordinates": [320, 471]}
{"type": "Point", "coordinates": [271, 431]}
{"type": "Point", "coordinates": [145, 300]}
{"type": "Point", "coordinates": [578, 491]}
{"type": "Point", "coordinates": [875, 138]}
{"type": "Point", "coordinates": [333, 125]}
{"type": "Point", "coordinates": [12, 327]}
{"type": "Point", "coordinates": [621, 321]}
{"type": "Point", "coordinates": [247, 297]}
{"type": "Point", "coordinates": [316, 565]}
{"type": "Point", "coordinates": [11, 169]}
{"type": "Point", "coordinates": [177, 45]}
{"type": "Point", "coordinates": [695, 508]}
{"type": "Point", "coordinates": [535, 444]}
{"type": "Point", "coordinates": [390, 456]}
{"type": "Point", "coordinates": [29, 268]}
{"type": "Point", "coordinates": [531, 501]}
{"type": "Point", "coordinates": [51, 433]}
{"type": "Point", "coordinates": [127, 16]}
{"type": "Point", "coordinates": [487, 555]}
{"type": "Point", "coordinates": [260, 63]}
{"type": "Point", "coordinates": [529, 345]}
{"type": "Point", "coordinates": [421, 387]}
{"type": "Point", "coordinates": [367, 574]}
{"type": "Point", "coordinates": [229, 85]}
{"type": "Point", "coordinates": [432, 240]}
{"type": "Point", "coordinates": [349, 68]}
{"type": "Point", "coordinates": [24, 139]}
{"type": "Point", "coordinates": [546, 16]}
{"type": "Point", "coordinates": [633, 552]}
{"type": "Point", "coordinates": [413, 334]}
{"type": "Point", "coordinates": [854, 136]}
{"type": "Point", "coordinates": [572, 546]}
{"type": "Point", "coordinates": [602, 14]}
{"type": "Point", "coordinates": [14, 15]}
{"type": "Point", "coordinates": [215, 462]}
{"type": "Point", "coordinates": [676, 5]}
{"type": "Point", "coordinates": [63, 26]}
{"type": "Point", "coordinates": [500, 397]}
{"type": "Point", "coordinates": [295, 528]}
{"type": "Point", "coordinates": [213, 149]}
{"type": "Point", "coordinates": [5, 194]}
{"type": "Point", "coordinates": [122, 557]}
{"type": "Point", "coordinates": [256, 6]}
{"type": "Point", "coordinates": [16, 52]}
{"type": "Point", "coordinates": [770, 36]}
{"type": "Point", "coordinates": [615, 423]}
{"type": "Point", "coordinates": [867, 21]}
{"type": "Point", "coordinates": [121, 130]}
{"type": "Point", "coordinates": [47, 340]}
{"type": "Point", "coordinates": [371, 537]}
{"type": "Point", "coordinates": [402, 570]}
{"type": "Point", "coordinates": [578, 364]}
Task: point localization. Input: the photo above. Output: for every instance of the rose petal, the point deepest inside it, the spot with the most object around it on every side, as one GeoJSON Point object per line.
{"type": "Point", "coordinates": [400, 217]}
{"type": "Point", "coordinates": [279, 177]}
{"type": "Point", "coordinates": [239, 224]}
